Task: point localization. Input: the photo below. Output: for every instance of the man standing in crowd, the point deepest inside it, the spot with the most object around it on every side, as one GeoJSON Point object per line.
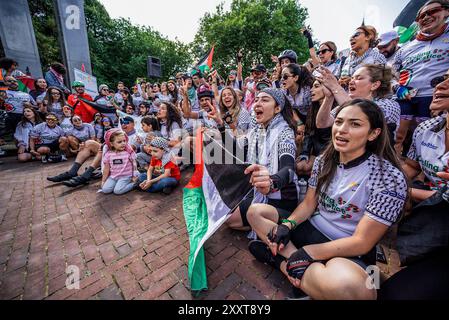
{"type": "Point", "coordinates": [83, 110]}
{"type": "Point", "coordinates": [55, 77]}
{"type": "Point", "coordinates": [389, 45]}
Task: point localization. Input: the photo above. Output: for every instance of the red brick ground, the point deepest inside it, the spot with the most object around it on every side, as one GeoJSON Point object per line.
{"type": "Point", "coordinates": [126, 247]}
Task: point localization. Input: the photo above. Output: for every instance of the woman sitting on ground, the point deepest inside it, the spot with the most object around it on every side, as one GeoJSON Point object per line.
{"type": "Point", "coordinates": [45, 138]}
{"type": "Point", "coordinates": [356, 192]}
{"type": "Point", "coordinates": [77, 137]}
{"type": "Point", "coordinates": [22, 135]}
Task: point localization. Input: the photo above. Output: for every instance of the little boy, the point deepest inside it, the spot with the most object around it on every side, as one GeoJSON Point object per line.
{"type": "Point", "coordinates": [163, 175]}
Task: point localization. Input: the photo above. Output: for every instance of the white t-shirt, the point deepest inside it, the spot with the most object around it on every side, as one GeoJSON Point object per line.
{"type": "Point", "coordinates": [418, 62]}
{"type": "Point", "coordinates": [45, 134]}
{"type": "Point", "coordinates": [428, 148]}
{"type": "Point", "coordinates": [359, 188]}
{"type": "Point", "coordinates": [15, 99]}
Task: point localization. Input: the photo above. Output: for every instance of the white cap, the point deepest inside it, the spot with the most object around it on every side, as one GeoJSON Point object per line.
{"type": "Point", "coordinates": [387, 37]}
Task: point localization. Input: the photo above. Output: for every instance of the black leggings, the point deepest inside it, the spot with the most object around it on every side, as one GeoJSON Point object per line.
{"type": "Point", "coordinates": [425, 280]}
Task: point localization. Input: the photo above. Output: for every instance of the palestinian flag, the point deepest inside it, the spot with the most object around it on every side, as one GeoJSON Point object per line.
{"type": "Point", "coordinates": [405, 23]}
{"type": "Point", "coordinates": [210, 197]}
{"type": "Point", "coordinates": [26, 83]}
{"type": "Point", "coordinates": [205, 63]}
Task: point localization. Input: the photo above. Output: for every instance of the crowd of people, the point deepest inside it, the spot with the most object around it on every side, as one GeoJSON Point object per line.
{"type": "Point", "coordinates": [369, 132]}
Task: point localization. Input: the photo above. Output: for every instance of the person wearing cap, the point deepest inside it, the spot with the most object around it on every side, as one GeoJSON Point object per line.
{"type": "Point", "coordinates": [271, 149]}
{"type": "Point", "coordinates": [257, 73]}
{"type": "Point", "coordinates": [128, 126]}
{"type": "Point", "coordinates": [80, 108]}
{"type": "Point", "coordinates": [206, 100]}
{"type": "Point", "coordinates": [389, 45]}
{"type": "Point", "coordinates": [418, 62]}
{"type": "Point", "coordinates": [163, 174]}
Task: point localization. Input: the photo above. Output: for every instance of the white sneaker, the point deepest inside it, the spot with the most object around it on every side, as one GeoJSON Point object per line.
{"type": "Point", "coordinates": [2, 153]}
{"type": "Point", "coordinates": [63, 158]}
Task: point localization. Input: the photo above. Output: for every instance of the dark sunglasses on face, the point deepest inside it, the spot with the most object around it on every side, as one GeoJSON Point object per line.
{"type": "Point", "coordinates": [55, 93]}
{"type": "Point", "coordinates": [286, 76]}
{"type": "Point", "coordinates": [355, 35]}
{"type": "Point", "coordinates": [436, 81]}
{"type": "Point", "coordinates": [124, 122]}
{"type": "Point", "coordinates": [324, 51]}
{"type": "Point", "coordinates": [430, 12]}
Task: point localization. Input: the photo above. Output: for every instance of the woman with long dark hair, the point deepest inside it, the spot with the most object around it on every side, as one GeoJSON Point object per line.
{"type": "Point", "coordinates": [40, 88]}
{"type": "Point", "coordinates": [297, 81]}
{"type": "Point", "coordinates": [236, 117]}
{"type": "Point", "coordinates": [22, 135]}
{"type": "Point", "coordinates": [356, 192]}
{"type": "Point", "coordinates": [170, 122]}
{"type": "Point", "coordinates": [53, 102]}
{"type": "Point", "coordinates": [315, 139]}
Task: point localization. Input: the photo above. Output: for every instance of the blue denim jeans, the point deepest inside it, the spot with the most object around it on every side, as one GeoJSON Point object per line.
{"type": "Point", "coordinates": [160, 185]}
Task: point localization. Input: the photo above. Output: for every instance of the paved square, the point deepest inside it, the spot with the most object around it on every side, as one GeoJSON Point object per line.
{"type": "Point", "coordinates": [133, 246]}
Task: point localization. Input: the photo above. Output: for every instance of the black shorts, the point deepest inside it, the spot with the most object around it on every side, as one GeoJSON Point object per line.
{"type": "Point", "coordinates": [283, 207]}
{"type": "Point", "coordinates": [306, 234]}
{"type": "Point", "coordinates": [54, 146]}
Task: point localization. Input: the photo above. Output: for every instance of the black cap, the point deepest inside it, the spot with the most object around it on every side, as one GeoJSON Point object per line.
{"type": "Point", "coordinates": [259, 67]}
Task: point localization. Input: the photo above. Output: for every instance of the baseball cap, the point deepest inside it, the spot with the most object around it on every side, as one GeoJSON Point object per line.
{"type": "Point", "coordinates": [260, 68]}
{"type": "Point", "coordinates": [387, 37]}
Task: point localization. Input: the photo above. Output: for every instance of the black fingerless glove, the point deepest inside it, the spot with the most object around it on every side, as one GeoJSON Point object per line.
{"type": "Point", "coordinates": [298, 263]}
{"type": "Point", "coordinates": [281, 235]}
{"type": "Point", "coordinates": [308, 35]}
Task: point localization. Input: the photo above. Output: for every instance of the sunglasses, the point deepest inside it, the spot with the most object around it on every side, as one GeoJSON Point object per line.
{"type": "Point", "coordinates": [436, 81]}
{"type": "Point", "coordinates": [55, 94]}
{"type": "Point", "coordinates": [51, 119]}
{"type": "Point", "coordinates": [355, 35]}
{"type": "Point", "coordinates": [430, 12]}
{"type": "Point", "coordinates": [77, 120]}
{"type": "Point", "coordinates": [124, 122]}
{"type": "Point", "coordinates": [286, 76]}
{"type": "Point", "coordinates": [324, 51]}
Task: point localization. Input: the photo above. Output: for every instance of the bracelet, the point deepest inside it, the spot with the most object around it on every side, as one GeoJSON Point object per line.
{"type": "Point", "coordinates": [293, 223]}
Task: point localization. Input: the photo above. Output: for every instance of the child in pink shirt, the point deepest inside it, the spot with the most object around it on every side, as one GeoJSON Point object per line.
{"type": "Point", "coordinates": [119, 164]}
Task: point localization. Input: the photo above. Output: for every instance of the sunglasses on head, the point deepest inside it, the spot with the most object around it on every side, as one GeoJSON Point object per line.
{"type": "Point", "coordinates": [437, 80]}
{"type": "Point", "coordinates": [324, 51]}
{"type": "Point", "coordinates": [430, 12]}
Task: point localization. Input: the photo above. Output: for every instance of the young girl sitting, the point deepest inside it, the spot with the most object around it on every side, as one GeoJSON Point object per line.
{"type": "Point", "coordinates": [163, 175]}
{"type": "Point", "coordinates": [119, 164]}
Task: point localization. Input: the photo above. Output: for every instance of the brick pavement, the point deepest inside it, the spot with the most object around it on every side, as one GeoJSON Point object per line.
{"type": "Point", "coordinates": [133, 246]}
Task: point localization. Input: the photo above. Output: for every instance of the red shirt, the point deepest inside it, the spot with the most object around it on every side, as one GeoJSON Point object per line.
{"type": "Point", "coordinates": [84, 111]}
{"type": "Point", "coordinates": [158, 170]}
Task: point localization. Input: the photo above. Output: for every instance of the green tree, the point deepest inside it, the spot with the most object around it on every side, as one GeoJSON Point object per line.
{"type": "Point", "coordinates": [260, 28]}
{"type": "Point", "coordinates": [118, 49]}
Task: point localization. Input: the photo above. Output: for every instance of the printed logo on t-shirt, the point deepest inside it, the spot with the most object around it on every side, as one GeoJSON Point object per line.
{"type": "Point", "coordinates": [429, 145]}
{"type": "Point", "coordinates": [347, 210]}
{"type": "Point", "coordinates": [117, 161]}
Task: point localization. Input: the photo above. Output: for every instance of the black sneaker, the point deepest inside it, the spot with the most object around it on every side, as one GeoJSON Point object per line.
{"type": "Point", "coordinates": [76, 182]}
{"type": "Point", "coordinates": [262, 252]}
{"type": "Point", "coordinates": [60, 177]}
{"type": "Point", "coordinates": [167, 190]}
